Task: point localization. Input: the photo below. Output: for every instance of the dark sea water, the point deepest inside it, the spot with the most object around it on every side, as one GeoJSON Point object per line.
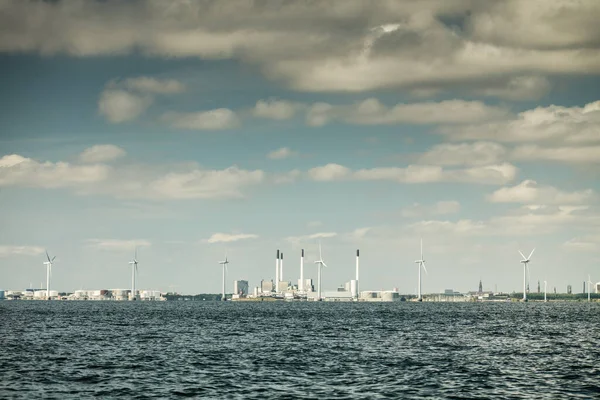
{"type": "Point", "coordinates": [299, 350]}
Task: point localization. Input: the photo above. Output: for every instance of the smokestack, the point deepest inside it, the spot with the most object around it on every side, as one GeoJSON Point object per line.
{"type": "Point", "coordinates": [281, 268]}
{"type": "Point", "coordinates": [357, 264]}
{"type": "Point", "coordinates": [277, 272]}
{"type": "Point", "coordinates": [301, 285]}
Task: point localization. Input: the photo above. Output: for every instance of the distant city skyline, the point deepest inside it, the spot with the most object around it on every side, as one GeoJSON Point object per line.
{"type": "Point", "coordinates": [191, 132]}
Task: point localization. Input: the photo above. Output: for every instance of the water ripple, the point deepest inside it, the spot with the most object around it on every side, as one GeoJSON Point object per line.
{"type": "Point", "coordinates": [299, 350]}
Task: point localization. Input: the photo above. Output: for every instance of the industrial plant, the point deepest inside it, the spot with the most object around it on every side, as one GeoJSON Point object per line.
{"type": "Point", "coordinates": [303, 289]}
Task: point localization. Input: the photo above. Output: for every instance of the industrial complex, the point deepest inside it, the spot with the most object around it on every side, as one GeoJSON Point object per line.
{"type": "Point", "coordinates": [303, 289]}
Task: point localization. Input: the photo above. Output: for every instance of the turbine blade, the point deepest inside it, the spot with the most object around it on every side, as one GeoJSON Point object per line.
{"type": "Point", "coordinates": [325, 265]}
{"type": "Point", "coordinates": [423, 264]}
{"type": "Point", "coordinates": [421, 248]}
{"type": "Point", "coordinates": [47, 256]}
{"type": "Point", "coordinates": [522, 255]}
{"type": "Point", "coordinates": [531, 253]}
{"type": "Point", "coordinates": [53, 258]}
{"type": "Point", "coordinates": [320, 255]}
{"type": "Point", "coordinates": [135, 256]}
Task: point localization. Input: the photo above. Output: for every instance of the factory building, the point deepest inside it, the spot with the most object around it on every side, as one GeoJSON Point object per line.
{"type": "Point", "coordinates": [379, 296]}
{"type": "Point", "coordinates": [240, 288]}
{"type": "Point", "coordinates": [267, 286]}
{"type": "Point", "coordinates": [330, 296]}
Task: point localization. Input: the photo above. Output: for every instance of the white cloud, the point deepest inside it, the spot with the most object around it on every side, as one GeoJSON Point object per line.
{"type": "Point", "coordinates": [121, 106]}
{"type": "Point", "coordinates": [312, 237]}
{"type": "Point", "coordinates": [569, 155]}
{"type": "Point", "coordinates": [586, 243]}
{"type": "Point", "coordinates": [328, 46]}
{"type": "Point", "coordinates": [204, 184]}
{"type": "Point", "coordinates": [529, 192]}
{"type": "Point", "coordinates": [373, 112]}
{"type": "Point", "coordinates": [285, 177]}
{"type": "Point", "coordinates": [16, 170]}
{"type": "Point", "coordinates": [566, 125]}
{"type": "Point", "coordinates": [533, 24]}
{"type": "Point", "coordinates": [282, 153]}
{"type": "Point", "coordinates": [329, 172]}
{"type": "Point", "coordinates": [101, 153]}
{"type": "Point", "coordinates": [117, 245]}
{"type": "Point", "coordinates": [227, 238]}
{"type": "Point", "coordinates": [478, 153]}
{"type": "Point", "coordinates": [440, 208]}
{"type": "Point", "coordinates": [147, 84]}
{"type": "Point", "coordinates": [461, 227]}
{"type": "Point", "coordinates": [519, 88]}
{"type": "Point", "coordinates": [276, 109]}
{"type": "Point", "coordinates": [187, 181]}
{"type": "Point", "coordinates": [489, 174]}
{"type": "Point", "coordinates": [8, 251]}
{"type": "Point", "coordinates": [218, 119]}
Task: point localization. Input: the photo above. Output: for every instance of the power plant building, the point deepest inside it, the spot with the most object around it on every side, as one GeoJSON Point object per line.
{"type": "Point", "coordinates": [240, 288]}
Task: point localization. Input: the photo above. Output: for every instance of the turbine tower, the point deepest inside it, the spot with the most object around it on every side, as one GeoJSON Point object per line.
{"type": "Point", "coordinates": [134, 268]}
{"type": "Point", "coordinates": [224, 264]}
{"type": "Point", "coordinates": [525, 261]}
{"type": "Point", "coordinates": [421, 263]}
{"type": "Point", "coordinates": [545, 290]}
{"type": "Point", "coordinates": [48, 265]}
{"type": "Point", "coordinates": [320, 263]}
{"type": "Point", "coordinates": [589, 282]}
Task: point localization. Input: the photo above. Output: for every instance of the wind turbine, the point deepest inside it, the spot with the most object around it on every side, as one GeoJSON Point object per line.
{"type": "Point", "coordinates": [48, 265]}
{"type": "Point", "coordinates": [545, 290]}
{"type": "Point", "coordinates": [224, 264]}
{"type": "Point", "coordinates": [525, 261]}
{"type": "Point", "coordinates": [320, 264]}
{"type": "Point", "coordinates": [421, 263]}
{"type": "Point", "coordinates": [134, 267]}
{"type": "Point", "coordinates": [589, 282]}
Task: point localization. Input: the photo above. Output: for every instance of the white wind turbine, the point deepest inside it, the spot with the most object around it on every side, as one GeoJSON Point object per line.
{"type": "Point", "coordinates": [134, 268]}
{"type": "Point", "coordinates": [589, 282]}
{"type": "Point", "coordinates": [48, 265]}
{"type": "Point", "coordinates": [224, 264]}
{"type": "Point", "coordinates": [525, 261]}
{"type": "Point", "coordinates": [320, 263]}
{"type": "Point", "coordinates": [421, 263]}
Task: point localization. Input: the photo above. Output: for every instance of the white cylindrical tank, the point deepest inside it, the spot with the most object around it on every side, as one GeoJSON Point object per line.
{"type": "Point", "coordinates": [354, 288]}
{"type": "Point", "coordinates": [53, 294]}
{"type": "Point", "coordinates": [39, 294]}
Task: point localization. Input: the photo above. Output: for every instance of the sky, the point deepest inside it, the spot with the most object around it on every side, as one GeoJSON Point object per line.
{"type": "Point", "coordinates": [192, 130]}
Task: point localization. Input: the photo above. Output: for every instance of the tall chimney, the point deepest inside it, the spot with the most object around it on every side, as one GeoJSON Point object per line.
{"type": "Point", "coordinates": [277, 272]}
{"type": "Point", "coordinates": [357, 264]}
{"type": "Point", "coordinates": [301, 286]}
{"type": "Point", "coordinates": [281, 267]}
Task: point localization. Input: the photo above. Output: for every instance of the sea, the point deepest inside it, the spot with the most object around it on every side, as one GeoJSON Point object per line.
{"type": "Point", "coordinates": [287, 350]}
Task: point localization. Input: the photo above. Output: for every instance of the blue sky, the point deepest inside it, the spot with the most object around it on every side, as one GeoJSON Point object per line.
{"type": "Point", "coordinates": [194, 129]}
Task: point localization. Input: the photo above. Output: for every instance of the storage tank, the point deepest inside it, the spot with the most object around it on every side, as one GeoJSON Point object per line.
{"type": "Point", "coordinates": [1, 294]}
{"type": "Point", "coordinates": [53, 294]}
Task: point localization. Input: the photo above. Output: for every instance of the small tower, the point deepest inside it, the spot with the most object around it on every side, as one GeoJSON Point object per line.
{"type": "Point", "coordinates": [538, 286]}
{"type": "Point", "coordinates": [480, 287]}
